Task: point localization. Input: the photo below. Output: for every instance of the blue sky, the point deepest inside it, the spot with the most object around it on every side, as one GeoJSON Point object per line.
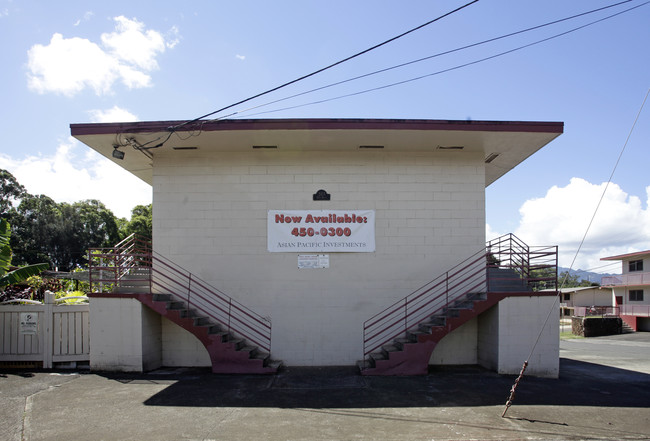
{"type": "Point", "coordinates": [86, 61]}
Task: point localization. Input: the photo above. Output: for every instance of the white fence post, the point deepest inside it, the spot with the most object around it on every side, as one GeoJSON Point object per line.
{"type": "Point", "coordinates": [48, 320]}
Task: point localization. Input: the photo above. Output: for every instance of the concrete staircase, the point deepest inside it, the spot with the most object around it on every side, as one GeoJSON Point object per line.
{"type": "Point", "coordinates": [410, 353]}
{"type": "Point", "coordinates": [626, 329]}
{"type": "Point", "coordinates": [229, 354]}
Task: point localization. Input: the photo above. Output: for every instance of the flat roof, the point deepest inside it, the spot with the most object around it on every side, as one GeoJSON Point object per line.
{"type": "Point", "coordinates": [505, 144]}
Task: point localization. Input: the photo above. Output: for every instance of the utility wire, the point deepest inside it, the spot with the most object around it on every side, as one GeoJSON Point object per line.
{"type": "Point", "coordinates": [408, 63]}
{"type": "Point", "coordinates": [552, 309]}
{"type": "Point", "coordinates": [324, 68]}
{"type": "Point", "coordinates": [460, 66]}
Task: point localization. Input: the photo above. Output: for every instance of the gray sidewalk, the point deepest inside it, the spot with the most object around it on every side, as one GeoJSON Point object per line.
{"type": "Point", "coordinates": [591, 400]}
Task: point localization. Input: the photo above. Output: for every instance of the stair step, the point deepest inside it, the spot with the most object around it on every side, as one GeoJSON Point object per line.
{"type": "Point", "coordinates": [176, 305]}
{"type": "Point", "coordinates": [250, 349]}
{"type": "Point", "coordinates": [476, 296]}
{"type": "Point", "coordinates": [274, 364]}
{"type": "Point", "coordinates": [260, 355]}
{"type": "Point", "coordinates": [463, 304]}
{"type": "Point", "coordinates": [202, 321]}
{"type": "Point", "coordinates": [387, 349]}
{"type": "Point", "coordinates": [437, 320]}
{"type": "Point", "coordinates": [402, 342]}
{"type": "Point", "coordinates": [239, 343]}
{"type": "Point", "coordinates": [162, 298]}
{"type": "Point", "coordinates": [413, 335]}
{"type": "Point", "coordinates": [364, 364]}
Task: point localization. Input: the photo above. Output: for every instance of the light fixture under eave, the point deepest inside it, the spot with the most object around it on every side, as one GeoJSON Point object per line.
{"type": "Point", "coordinates": [117, 154]}
{"type": "Point", "coordinates": [491, 157]}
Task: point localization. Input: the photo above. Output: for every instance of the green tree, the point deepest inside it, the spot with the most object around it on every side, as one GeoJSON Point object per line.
{"type": "Point", "coordinates": [37, 226]}
{"type": "Point", "coordinates": [61, 234]}
{"type": "Point", "coordinates": [8, 276]}
{"type": "Point", "coordinates": [11, 192]}
{"type": "Point", "coordinates": [140, 223]}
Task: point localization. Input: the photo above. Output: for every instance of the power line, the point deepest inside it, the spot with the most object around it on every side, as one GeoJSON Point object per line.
{"type": "Point", "coordinates": [539, 335]}
{"type": "Point", "coordinates": [408, 63]}
{"type": "Point", "coordinates": [460, 66]}
{"type": "Point", "coordinates": [326, 67]}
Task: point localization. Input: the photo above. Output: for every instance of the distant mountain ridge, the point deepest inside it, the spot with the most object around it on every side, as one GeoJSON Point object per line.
{"type": "Point", "coordinates": [586, 275]}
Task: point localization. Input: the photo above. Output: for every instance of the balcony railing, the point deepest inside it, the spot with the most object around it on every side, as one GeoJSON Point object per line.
{"type": "Point", "coordinates": [629, 279]}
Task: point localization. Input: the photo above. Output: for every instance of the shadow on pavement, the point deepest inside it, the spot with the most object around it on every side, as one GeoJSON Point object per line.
{"type": "Point", "coordinates": [580, 384]}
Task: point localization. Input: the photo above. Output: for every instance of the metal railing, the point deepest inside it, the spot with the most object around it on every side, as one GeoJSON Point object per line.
{"type": "Point", "coordinates": [132, 264]}
{"type": "Point", "coordinates": [596, 311]}
{"type": "Point", "coordinates": [638, 310]}
{"type": "Point", "coordinates": [533, 268]}
{"type": "Point", "coordinates": [626, 279]}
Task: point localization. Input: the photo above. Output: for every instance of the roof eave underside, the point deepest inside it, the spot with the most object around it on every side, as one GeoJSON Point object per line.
{"type": "Point", "coordinates": [512, 141]}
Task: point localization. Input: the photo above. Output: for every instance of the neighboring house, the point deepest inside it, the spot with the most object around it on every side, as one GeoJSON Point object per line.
{"type": "Point", "coordinates": [320, 224]}
{"type": "Point", "coordinates": [631, 290]}
{"type": "Point", "coordinates": [580, 301]}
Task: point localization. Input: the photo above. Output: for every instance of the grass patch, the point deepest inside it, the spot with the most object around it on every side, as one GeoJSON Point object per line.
{"type": "Point", "coordinates": [569, 336]}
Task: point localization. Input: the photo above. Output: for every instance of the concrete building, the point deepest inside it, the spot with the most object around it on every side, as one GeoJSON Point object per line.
{"type": "Point", "coordinates": [580, 300]}
{"type": "Point", "coordinates": [630, 289]}
{"type": "Point", "coordinates": [317, 225]}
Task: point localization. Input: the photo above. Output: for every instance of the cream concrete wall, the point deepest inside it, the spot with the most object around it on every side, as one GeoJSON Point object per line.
{"type": "Point", "coordinates": [520, 321]}
{"type": "Point", "coordinates": [458, 347]}
{"type": "Point", "coordinates": [181, 348]}
{"type": "Point", "coordinates": [624, 291]}
{"type": "Point", "coordinates": [488, 339]}
{"type": "Point", "coordinates": [124, 335]}
{"type": "Point", "coordinates": [210, 215]}
{"type": "Point", "coordinates": [151, 339]}
{"type": "Point", "coordinates": [593, 297]}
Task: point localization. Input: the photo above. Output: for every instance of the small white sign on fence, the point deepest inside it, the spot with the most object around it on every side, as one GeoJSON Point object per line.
{"type": "Point", "coordinates": [28, 323]}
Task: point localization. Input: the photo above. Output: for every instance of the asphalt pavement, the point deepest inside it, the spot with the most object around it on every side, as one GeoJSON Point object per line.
{"type": "Point", "coordinates": [603, 393]}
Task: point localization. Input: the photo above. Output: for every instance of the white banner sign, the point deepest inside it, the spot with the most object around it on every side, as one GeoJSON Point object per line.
{"type": "Point", "coordinates": [333, 231]}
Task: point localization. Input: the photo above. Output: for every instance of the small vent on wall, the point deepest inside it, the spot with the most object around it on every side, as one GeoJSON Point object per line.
{"type": "Point", "coordinates": [265, 146]}
{"type": "Point", "coordinates": [371, 146]}
{"type": "Point", "coordinates": [450, 147]}
{"type": "Point", "coordinates": [185, 148]}
{"type": "Point", "coordinates": [491, 157]}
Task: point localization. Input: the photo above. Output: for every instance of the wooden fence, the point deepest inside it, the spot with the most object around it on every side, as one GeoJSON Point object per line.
{"type": "Point", "coordinates": [48, 332]}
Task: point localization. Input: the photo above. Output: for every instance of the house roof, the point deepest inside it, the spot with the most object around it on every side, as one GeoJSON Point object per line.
{"type": "Point", "coordinates": [637, 254]}
{"type": "Point", "coordinates": [504, 144]}
{"type": "Point", "coordinates": [578, 289]}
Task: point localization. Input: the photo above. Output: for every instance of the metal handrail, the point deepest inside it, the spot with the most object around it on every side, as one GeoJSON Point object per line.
{"type": "Point", "coordinates": [109, 266]}
{"type": "Point", "coordinates": [535, 267]}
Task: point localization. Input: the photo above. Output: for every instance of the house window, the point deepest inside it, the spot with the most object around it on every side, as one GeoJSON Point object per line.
{"type": "Point", "coordinates": [636, 295]}
{"type": "Point", "coordinates": [567, 297]}
{"type": "Point", "coordinates": [636, 265]}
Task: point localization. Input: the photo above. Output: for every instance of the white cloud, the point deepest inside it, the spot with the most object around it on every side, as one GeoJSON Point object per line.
{"type": "Point", "coordinates": [240, 57]}
{"type": "Point", "coordinates": [69, 65]}
{"type": "Point", "coordinates": [70, 177]}
{"type": "Point", "coordinates": [87, 16]}
{"type": "Point", "coordinates": [132, 43]}
{"type": "Point", "coordinates": [563, 215]}
{"type": "Point", "coordinates": [115, 114]}
{"type": "Point", "coordinates": [490, 233]}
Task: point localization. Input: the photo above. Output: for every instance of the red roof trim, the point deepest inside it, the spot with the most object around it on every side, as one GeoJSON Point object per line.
{"type": "Point", "coordinates": [318, 124]}
{"type": "Point", "coordinates": [625, 256]}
